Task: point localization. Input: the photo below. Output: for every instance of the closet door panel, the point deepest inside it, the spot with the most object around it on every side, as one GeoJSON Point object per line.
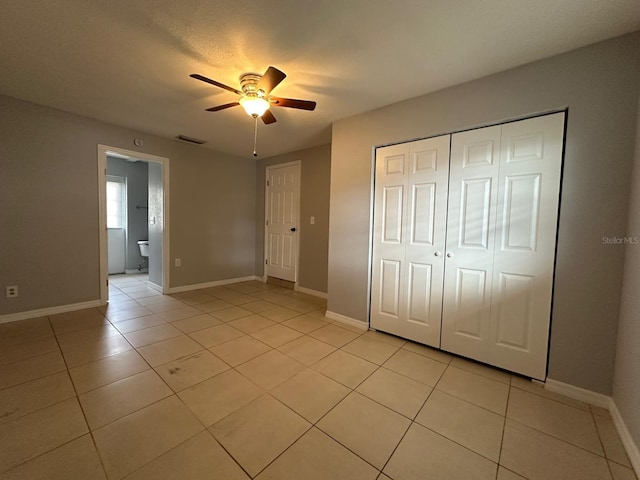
{"type": "Point", "coordinates": [420, 286]}
{"type": "Point", "coordinates": [514, 310]}
{"type": "Point", "coordinates": [409, 239]}
{"type": "Point", "coordinates": [390, 288]}
{"type": "Point", "coordinates": [475, 213]}
{"type": "Point", "coordinates": [389, 238]}
{"type": "Point", "coordinates": [471, 287]}
{"type": "Point", "coordinates": [468, 278]}
{"type": "Point", "coordinates": [423, 211]}
{"type": "Point", "coordinates": [428, 180]}
{"type": "Point", "coordinates": [392, 214]}
{"type": "Point", "coordinates": [528, 197]}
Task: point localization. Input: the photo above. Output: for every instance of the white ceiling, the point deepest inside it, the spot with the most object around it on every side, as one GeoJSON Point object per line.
{"type": "Point", "coordinates": [128, 62]}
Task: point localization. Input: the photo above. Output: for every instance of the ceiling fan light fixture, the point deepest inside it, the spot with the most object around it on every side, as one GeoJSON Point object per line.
{"type": "Point", "coordinates": [255, 96]}
{"type": "Point", "coordinates": [254, 106]}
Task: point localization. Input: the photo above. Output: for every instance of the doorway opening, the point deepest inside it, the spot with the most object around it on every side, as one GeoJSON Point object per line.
{"type": "Point", "coordinates": [134, 217]}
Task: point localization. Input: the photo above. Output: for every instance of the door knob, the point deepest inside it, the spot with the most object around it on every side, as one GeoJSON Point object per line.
{"type": "Point", "coordinates": [293, 229]}
{"type": "Point", "coordinates": [449, 254]}
{"type": "Point", "coordinates": [437, 254]}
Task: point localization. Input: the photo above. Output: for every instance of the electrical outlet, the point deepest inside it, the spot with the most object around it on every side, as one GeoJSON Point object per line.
{"type": "Point", "coordinates": [313, 220]}
{"type": "Point", "coordinates": [178, 262]}
{"type": "Point", "coordinates": [12, 291]}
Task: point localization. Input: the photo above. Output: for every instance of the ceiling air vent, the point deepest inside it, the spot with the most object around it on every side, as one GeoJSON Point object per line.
{"type": "Point", "coordinates": [195, 141]}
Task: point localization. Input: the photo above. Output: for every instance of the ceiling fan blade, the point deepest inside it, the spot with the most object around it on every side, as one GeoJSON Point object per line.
{"type": "Point", "coordinates": [213, 82]}
{"type": "Point", "coordinates": [222, 107]}
{"type": "Point", "coordinates": [270, 80]}
{"type": "Point", "coordinates": [293, 103]}
{"type": "Point", "coordinates": [267, 117]}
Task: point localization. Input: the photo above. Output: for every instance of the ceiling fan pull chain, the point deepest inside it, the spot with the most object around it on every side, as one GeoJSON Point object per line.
{"type": "Point", "coordinates": [255, 135]}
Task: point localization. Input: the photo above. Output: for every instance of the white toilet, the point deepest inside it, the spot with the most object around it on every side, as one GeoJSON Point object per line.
{"type": "Point", "coordinates": [144, 251]}
{"type": "Point", "coordinates": [144, 247]}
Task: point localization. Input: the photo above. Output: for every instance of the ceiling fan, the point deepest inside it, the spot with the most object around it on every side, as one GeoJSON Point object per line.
{"type": "Point", "coordinates": [255, 96]}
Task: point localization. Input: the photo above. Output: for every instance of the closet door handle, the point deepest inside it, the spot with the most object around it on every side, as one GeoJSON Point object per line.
{"type": "Point", "coordinates": [437, 254]}
{"type": "Point", "coordinates": [449, 254]}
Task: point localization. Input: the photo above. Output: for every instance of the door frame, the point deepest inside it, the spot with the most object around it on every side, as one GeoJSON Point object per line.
{"type": "Point", "coordinates": [102, 214]}
{"type": "Point", "coordinates": [298, 165]}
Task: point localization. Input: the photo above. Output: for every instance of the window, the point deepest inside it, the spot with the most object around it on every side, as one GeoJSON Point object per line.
{"type": "Point", "coordinates": [116, 205]}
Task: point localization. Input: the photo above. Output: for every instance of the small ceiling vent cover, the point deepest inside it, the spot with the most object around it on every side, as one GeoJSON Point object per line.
{"type": "Point", "coordinates": [195, 141]}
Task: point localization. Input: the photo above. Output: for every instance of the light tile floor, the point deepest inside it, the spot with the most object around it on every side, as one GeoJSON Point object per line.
{"type": "Point", "coordinates": [252, 381]}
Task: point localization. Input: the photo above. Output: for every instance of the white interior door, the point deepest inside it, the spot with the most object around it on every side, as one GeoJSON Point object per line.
{"type": "Point", "coordinates": [282, 217]}
{"type": "Point", "coordinates": [528, 197]}
{"type": "Point", "coordinates": [409, 238]}
{"type": "Point", "coordinates": [471, 222]}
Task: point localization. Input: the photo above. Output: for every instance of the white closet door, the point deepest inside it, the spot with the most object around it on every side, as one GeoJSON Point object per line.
{"type": "Point", "coordinates": [409, 239]}
{"type": "Point", "coordinates": [528, 196]}
{"type": "Point", "coordinates": [464, 245]}
{"type": "Point", "coordinates": [470, 241]}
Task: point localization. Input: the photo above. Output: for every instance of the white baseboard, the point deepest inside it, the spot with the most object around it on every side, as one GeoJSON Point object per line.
{"type": "Point", "coordinates": [131, 271]}
{"type": "Point", "coordinates": [217, 283]}
{"type": "Point", "coordinates": [309, 291]}
{"type": "Point", "coordinates": [577, 393]}
{"type": "Point", "coordinates": [633, 452]}
{"type": "Point", "coordinates": [43, 312]}
{"type": "Point", "coordinates": [346, 320]}
{"type": "Point", "coordinates": [604, 401]}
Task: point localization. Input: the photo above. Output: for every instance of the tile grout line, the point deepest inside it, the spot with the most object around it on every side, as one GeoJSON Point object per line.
{"type": "Point", "coordinates": [546, 397]}
{"type": "Point", "coordinates": [77, 398]}
{"type": "Point", "coordinates": [411, 423]}
{"type": "Point", "coordinates": [504, 427]}
{"type": "Point", "coordinates": [37, 378]}
{"type": "Point", "coordinates": [557, 438]}
{"type": "Point", "coordinates": [593, 419]}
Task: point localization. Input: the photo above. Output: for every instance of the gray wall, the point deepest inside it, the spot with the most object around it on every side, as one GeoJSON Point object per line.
{"type": "Point", "coordinates": [137, 175]}
{"type": "Point", "coordinates": [599, 86]}
{"type": "Point", "coordinates": [216, 219]}
{"type": "Point", "coordinates": [314, 201]}
{"type": "Point", "coordinates": [626, 385]}
{"type": "Point", "coordinates": [49, 206]}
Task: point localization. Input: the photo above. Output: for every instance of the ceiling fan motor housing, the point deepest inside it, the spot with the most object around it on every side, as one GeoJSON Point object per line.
{"type": "Point", "coordinates": [249, 85]}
